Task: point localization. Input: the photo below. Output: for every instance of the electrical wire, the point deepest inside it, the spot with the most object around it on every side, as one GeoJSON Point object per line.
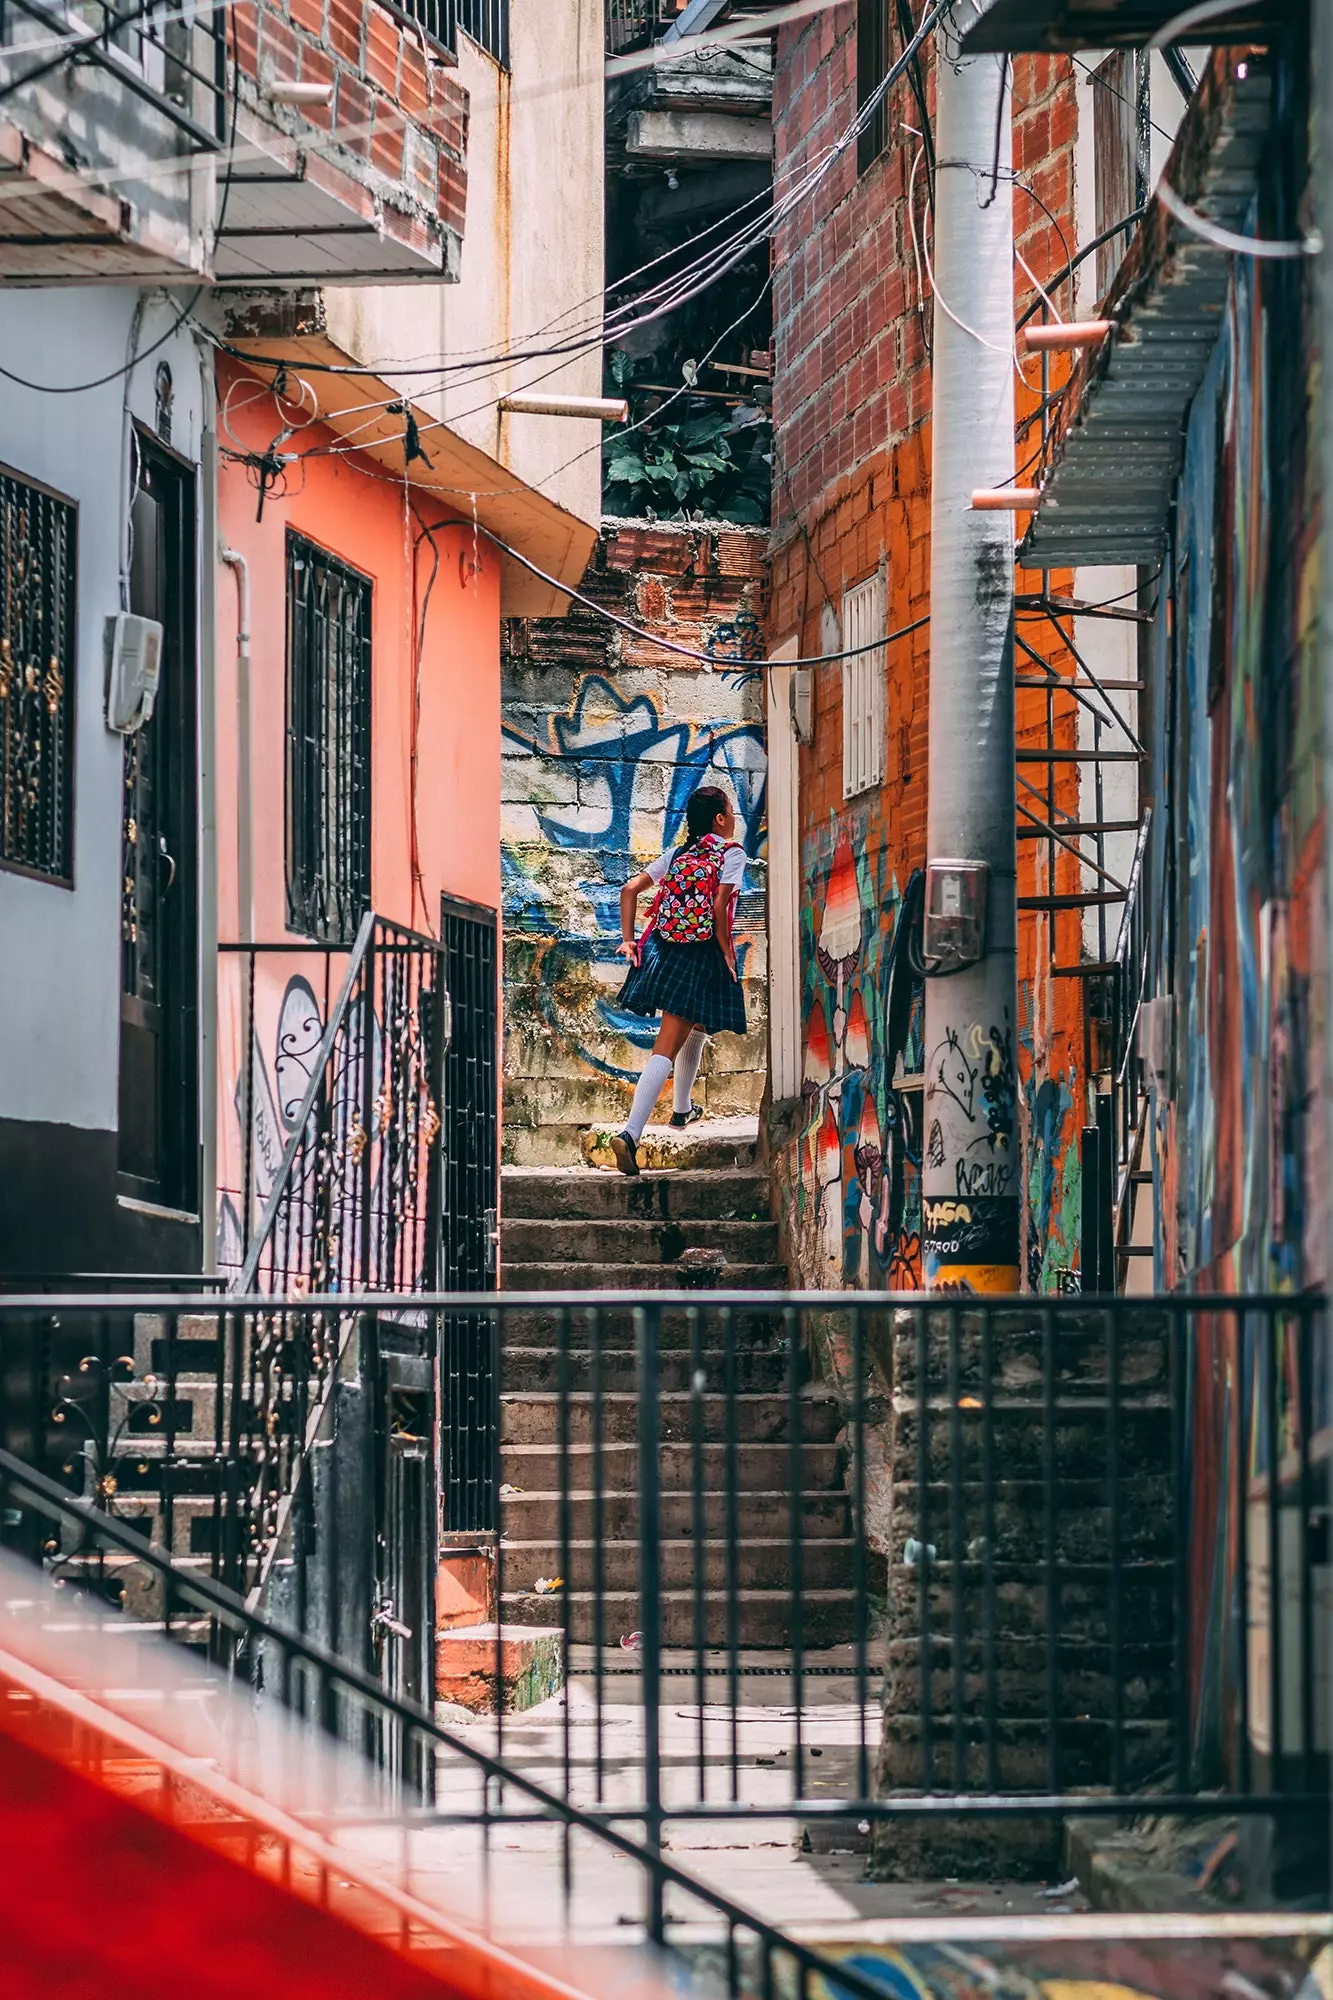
{"type": "Point", "coordinates": [728, 255]}
{"type": "Point", "coordinates": [709, 660]}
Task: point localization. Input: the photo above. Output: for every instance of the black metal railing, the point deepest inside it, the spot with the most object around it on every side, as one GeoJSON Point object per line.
{"type": "Point", "coordinates": [984, 1559]}
{"type": "Point", "coordinates": [1113, 1145]}
{"type": "Point", "coordinates": [427, 1765]}
{"type": "Point", "coordinates": [165, 53]}
{"type": "Point", "coordinates": [353, 1097]}
{"type": "Point", "coordinates": [868, 1558]}
{"type": "Point", "coordinates": [487, 22]}
{"type": "Point", "coordinates": [191, 1425]}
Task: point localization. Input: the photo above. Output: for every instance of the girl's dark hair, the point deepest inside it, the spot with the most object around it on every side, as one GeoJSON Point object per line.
{"type": "Point", "coordinates": [702, 809]}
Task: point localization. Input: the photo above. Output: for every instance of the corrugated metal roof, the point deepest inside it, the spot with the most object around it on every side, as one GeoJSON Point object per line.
{"type": "Point", "coordinates": [1052, 25]}
{"type": "Point", "coordinates": [1114, 448]}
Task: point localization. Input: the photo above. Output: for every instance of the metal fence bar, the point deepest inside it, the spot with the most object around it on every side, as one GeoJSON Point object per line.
{"type": "Point", "coordinates": [1055, 1472]}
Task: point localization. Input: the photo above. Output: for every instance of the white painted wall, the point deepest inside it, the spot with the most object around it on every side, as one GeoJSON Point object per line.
{"type": "Point", "coordinates": [532, 255]}
{"type": "Point", "coordinates": [60, 996]}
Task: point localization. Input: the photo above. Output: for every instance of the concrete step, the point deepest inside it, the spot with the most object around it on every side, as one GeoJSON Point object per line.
{"type": "Point", "coordinates": [633, 1277]}
{"type": "Point", "coordinates": [585, 1194]}
{"type": "Point", "coordinates": [757, 1419]}
{"type": "Point", "coordinates": [531, 1665]}
{"type": "Point", "coordinates": [827, 1563]}
{"type": "Point", "coordinates": [763, 1617]}
{"type": "Point", "coordinates": [534, 1516]}
{"type": "Point", "coordinates": [560, 1239]}
{"type": "Point", "coordinates": [536, 1370]}
{"type": "Point", "coordinates": [760, 1468]}
{"type": "Point", "coordinates": [756, 1328]}
{"type": "Point", "coordinates": [722, 1143]}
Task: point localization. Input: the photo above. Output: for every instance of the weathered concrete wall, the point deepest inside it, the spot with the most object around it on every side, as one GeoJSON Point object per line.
{"type": "Point", "coordinates": [533, 258]}
{"type": "Point", "coordinates": [605, 737]}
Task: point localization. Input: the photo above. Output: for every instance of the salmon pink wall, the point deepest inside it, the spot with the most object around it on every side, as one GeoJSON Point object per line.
{"type": "Point", "coordinates": [351, 508]}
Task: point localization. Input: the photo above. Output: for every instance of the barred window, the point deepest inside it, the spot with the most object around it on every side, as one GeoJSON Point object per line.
{"type": "Point", "coordinates": [863, 707]}
{"type": "Point", "coordinates": [487, 21]}
{"type": "Point", "coordinates": [484, 21]}
{"type": "Point", "coordinates": [37, 667]}
{"type": "Point", "coordinates": [328, 743]}
{"type": "Point", "coordinates": [872, 66]}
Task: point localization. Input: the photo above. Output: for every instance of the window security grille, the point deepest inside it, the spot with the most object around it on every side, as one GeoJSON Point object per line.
{"type": "Point", "coordinates": [863, 719]}
{"type": "Point", "coordinates": [487, 22]}
{"type": "Point", "coordinates": [37, 544]}
{"type": "Point", "coordinates": [328, 743]}
{"type": "Point", "coordinates": [872, 66]}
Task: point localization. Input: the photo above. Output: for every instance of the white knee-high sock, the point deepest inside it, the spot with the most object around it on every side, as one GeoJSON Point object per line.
{"type": "Point", "coordinates": [646, 1093]}
{"type": "Point", "coordinates": [687, 1068]}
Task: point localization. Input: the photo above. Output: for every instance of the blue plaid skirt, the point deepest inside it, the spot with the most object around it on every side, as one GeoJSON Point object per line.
{"type": "Point", "coordinates": [690, 980]}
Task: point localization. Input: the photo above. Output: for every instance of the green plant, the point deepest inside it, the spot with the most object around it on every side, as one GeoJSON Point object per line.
{"type": "Point", "coordinates": [714, 463]}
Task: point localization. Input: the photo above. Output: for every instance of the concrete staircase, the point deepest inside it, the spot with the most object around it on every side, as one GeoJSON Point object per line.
{"type": "Point", "coordinates": [577, 1229]}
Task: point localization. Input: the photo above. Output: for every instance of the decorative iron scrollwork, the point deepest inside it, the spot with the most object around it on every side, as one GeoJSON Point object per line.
{"type": "Point", "coordinates": [36, 643]}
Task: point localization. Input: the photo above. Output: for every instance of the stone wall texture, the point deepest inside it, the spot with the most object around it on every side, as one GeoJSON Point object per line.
{"type": "Point", "coordinates": [606, 734]}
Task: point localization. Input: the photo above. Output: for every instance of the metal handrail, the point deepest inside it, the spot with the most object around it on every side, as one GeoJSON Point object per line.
{"type": "Point", "coordinates": [283, 1179]}
{"type": "Point", "coordinates": [336, 1675]}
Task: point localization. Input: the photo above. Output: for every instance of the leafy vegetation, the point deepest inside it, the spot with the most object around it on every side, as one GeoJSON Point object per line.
{"type": "Point", "coordinates": [697, 461]}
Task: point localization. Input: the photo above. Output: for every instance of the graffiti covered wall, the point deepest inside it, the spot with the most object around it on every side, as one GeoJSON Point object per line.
{"type": "Point", "coordinates": [606, 735]}
{"type": "Point", "coordinates": [1240, 954]}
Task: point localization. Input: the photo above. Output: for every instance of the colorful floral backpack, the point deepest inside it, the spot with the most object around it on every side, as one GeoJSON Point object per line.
{"type": "Point", "coordinates": [684, 911]}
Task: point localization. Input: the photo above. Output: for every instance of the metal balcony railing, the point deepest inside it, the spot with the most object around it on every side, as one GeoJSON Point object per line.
{"type": "Point", "coordinates": [169, 53]}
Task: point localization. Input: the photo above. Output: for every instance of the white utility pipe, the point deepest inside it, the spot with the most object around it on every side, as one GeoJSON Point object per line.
{"type": "Point", "coordinates": [607, 409]}
{"type": "Point", "coordinates": [245, 887]}
{"type": "Point", "coordinates": [971, 1163]}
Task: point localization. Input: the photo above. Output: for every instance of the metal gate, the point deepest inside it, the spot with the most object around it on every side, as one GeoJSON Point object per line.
{"type": "Point", "coordinates": [469, 933]}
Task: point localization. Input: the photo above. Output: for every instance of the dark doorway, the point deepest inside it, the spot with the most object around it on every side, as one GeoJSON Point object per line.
{"type": "Point", "coordinates": [158, 1152]}
{"type": "Point", "coordinates": [469, 933]}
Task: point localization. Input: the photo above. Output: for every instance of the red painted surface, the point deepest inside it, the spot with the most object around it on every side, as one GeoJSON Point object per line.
{"type": "Point", "coordinates": [98, 1897]}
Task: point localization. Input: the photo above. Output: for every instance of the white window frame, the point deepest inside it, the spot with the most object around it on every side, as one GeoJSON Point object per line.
{"type": "Point", "coordinates": [864, 703]}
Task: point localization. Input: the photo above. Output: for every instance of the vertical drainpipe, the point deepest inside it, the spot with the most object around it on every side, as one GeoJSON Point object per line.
{"type": "Point", "coordinates": [971, 1172]}
{"type": "Point", "coordinates": [1321, 184]}
{"type": "Point", "coordinates": [245, 890]}
{"type": "Point", "coordinates": [208, 816]}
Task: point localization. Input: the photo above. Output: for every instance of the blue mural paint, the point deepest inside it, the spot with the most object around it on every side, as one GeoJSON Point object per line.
{"type": "Point", "coordinates": [611, 744]}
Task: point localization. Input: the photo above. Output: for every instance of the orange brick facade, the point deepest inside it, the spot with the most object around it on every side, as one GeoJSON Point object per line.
{"type": "Point", "coordinates": [392, 104]}
{"type": "Point", "coordinates": [852, 400]}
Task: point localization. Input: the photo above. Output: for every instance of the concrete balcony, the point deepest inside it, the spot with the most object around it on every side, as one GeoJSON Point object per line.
{"type": "Point", "coordinates": [366, 182]}
{"type": "Point", "coordinates": [107, 143]}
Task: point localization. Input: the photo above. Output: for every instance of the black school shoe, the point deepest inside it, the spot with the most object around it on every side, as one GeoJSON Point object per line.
{"type": "Point", "coordinates": [627, 1153]}
{"type": "Point", "coordinates": [679, 1118]}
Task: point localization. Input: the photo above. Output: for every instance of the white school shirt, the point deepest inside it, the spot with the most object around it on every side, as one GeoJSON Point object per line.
{"type": "Point", "coordinates": [730, 876]}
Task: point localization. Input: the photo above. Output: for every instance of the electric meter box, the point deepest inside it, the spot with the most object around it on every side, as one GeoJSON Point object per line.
{"type": "Point", "coordinates": [133, 670]}
{"type": "Point", "coordinates": [954, 933]}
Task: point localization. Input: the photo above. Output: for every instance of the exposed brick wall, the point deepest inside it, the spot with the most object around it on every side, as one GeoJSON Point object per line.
{"type": "Point", "coordinates": [398, 107]}
{"type": "Point", "coordinates": [852, 391]}
{"type": "Point", "coordinates": [605, 736]}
